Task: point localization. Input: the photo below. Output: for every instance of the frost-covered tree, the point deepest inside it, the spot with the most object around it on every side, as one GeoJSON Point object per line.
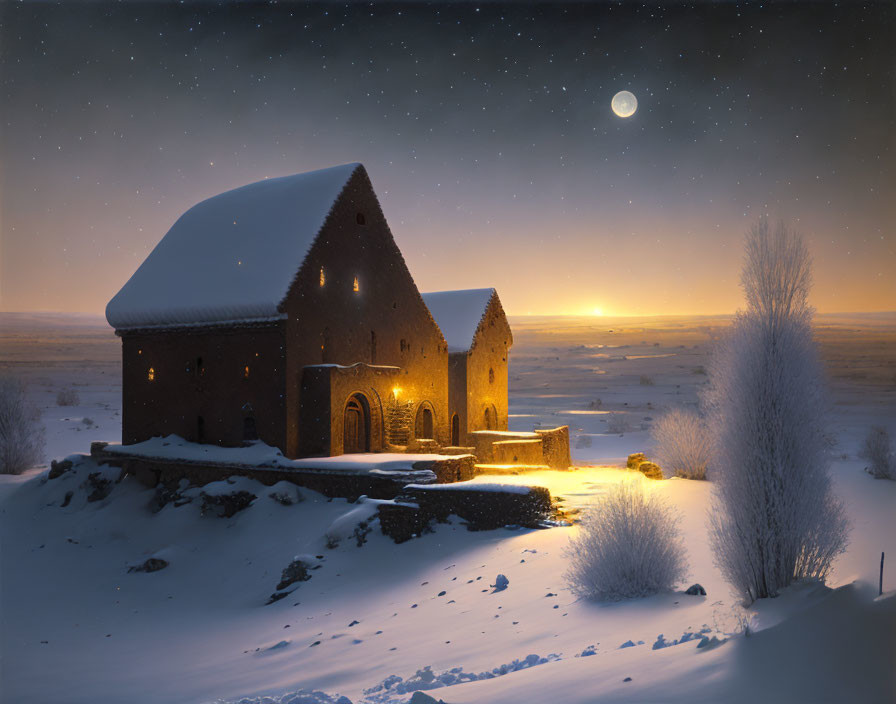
{"type": "Point", "coordinates": [681, 444]}
{"type": "Point", "coordinates": [21, 432]}
{"type": "Point", "coordinates": [878, 450]}
{"type": "Point", "coordinates": [775, 518]}
{"type": "Point", "coordinates": [628, 545]}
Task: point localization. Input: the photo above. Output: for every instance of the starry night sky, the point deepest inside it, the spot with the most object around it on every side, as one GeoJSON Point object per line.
{"type": "Point", "coordinates": [487, 132]}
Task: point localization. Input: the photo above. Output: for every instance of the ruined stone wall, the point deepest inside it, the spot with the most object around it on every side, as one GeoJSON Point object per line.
{"type": "Point", "coordinates": [384, 322]}
{"type": "Point", "coordinates": [201, 373]}
{"type": "Point", "coordinates": [556, 447]}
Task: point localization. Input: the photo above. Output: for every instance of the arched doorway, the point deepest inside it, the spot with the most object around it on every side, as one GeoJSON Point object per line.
{"type": "Point", "coordinates": [356, 425]}
{"type": "Point", "coordinates": [423, 426]}
{"type": "Point", "coordinates": [455, 430]}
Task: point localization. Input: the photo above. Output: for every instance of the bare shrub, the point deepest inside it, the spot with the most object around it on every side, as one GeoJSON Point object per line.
{"type": "Point", "coordinates": [628, 546]}
{"type": "Point", "coordinates": [775, 518]}
{"type": "Point", "coordinates": [681, 444]}
{"type": "Point", "coordinates": [67, 397]}
{"type": "Point", "coordinates": [878, 450]}
{"type": "Point", "coordinates": [617, 423]}
{"type": "Point", "coordinates": [21, 432]}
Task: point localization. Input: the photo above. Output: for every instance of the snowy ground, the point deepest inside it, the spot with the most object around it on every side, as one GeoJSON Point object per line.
{"type": "Point", "coordinates": [76, 626]}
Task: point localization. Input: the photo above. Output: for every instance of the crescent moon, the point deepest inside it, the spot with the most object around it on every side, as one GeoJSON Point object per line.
{"type": "Point", "coordinates": [624, 103]}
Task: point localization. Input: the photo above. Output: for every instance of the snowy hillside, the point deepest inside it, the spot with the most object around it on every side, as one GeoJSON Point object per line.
{"type": "Point", "coordinates": [373, 621]}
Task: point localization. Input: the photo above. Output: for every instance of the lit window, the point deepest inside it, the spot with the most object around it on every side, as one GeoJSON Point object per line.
{"type": "Point", "coordinates": [323, 277]}
{"type": "Point", "coordinates": [355, 286]}
{"type": "Point", "coordinates": [246, 372]}
{"type": "Point", "coordinates": [151, 374]}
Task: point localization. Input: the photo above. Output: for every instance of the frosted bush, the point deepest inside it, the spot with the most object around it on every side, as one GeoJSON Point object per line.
{"type": "Point", "coordinates": [775, 518]}
{"type": "Point", "coordinates": [878, 451]}
{"type": "Point", "coordinates": [681, 444]}
{"type": "Point", "coordinates": [67, 397]}
{"type": "Point", "coordinates": [628, 546]}
{"type": "Point", "coordinates": [21, 432]}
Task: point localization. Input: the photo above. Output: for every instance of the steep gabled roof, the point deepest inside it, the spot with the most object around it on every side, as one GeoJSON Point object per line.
{"type": "Point", "coordinates": [233, 257]}
{"type": "Point", "coordinates": [458, 314]}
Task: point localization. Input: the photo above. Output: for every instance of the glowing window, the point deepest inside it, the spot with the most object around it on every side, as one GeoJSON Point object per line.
{"type": "Point", "coordinates": [323, 277]}
{"type": "Point", "coordinates": [355, 286]}
{"type": "Point", "coordinates": [151, 374]}
{"type": "Point", "coordinates": [246, 372]}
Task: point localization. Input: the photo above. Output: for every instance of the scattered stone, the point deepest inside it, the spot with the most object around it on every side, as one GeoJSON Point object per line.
{"type": "Point", "coordinates": [627, 679]}
{"type": "Point", "coordinates": [708, 643]}
{"type": "Point", "coordinates": [295, 571]}
{"type": "Point", "coordinates": [353, 623]}
{"type": "Point", "coordinates": [501, 583]}
{"type": "Point", "coordinates": [152, 564]}
{"type": "Point", "coordinates": [696, 590]}
{"type": "Point", "coordinates": [651, 470]}
{"type": "Point", "coordinates": [165, 495]}
{"type": "Point", "coordinates": [68, 498]}
{"type": "Point", "coordinates": [423, 698]}
{"type": "Point", "coordinates": [226, 505]}
{"type": "Point", "coordinates": [635, 460]}
{"type": "Point", "coordinates": [442, 593]}
{"type": "Point", "coordinates": [57, 469]}
{"type": "Point", "coordinates": [101, 486]}
{"type": "Point", "coordinates": [287, 495]}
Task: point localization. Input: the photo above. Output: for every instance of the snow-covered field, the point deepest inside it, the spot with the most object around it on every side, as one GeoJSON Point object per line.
{"type": "Point", "coordinates": [377, 621]}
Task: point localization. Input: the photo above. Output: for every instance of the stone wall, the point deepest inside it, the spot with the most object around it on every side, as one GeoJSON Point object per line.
{"type": "Point", "coordinates": [556, 447]}
{"type": "Point", "coordinates": [518, 452]}
{"type": "Point", "coordinates": [384, 322]}
{"type": "Point", "coordinates": [486, 373]}
{"type": "Point", "coordinates": [199, 384]}
{"type": "Point", "coordinates": [483, 509]}
{"type": "Point", "coordinates": [553, 447]}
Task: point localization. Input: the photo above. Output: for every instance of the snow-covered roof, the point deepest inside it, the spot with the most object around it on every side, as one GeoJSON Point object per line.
{"type": "Point", "coordinates": [233, 257]}
{"type": "Point", "coordinates": [458, 314]}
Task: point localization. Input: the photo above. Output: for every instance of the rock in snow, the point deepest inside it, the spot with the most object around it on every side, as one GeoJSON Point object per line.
{"type": "Point", "coordinates": [152, 564]}
{"type": "Point", "coordinates": [696, 590]}
{"type": "Point", "coordinates": [501, 583]}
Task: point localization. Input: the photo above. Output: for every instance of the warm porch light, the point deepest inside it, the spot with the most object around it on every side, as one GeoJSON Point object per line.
{"type": "Point", "coordinates": [151, 374]}
{"type": "Point", "coordinates": [395, 391]}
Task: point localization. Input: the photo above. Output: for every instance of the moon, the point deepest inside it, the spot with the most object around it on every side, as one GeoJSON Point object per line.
{"type": "Point", "coordinates": [624, 103]}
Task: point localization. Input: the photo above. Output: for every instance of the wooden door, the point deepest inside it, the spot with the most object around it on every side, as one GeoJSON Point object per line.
{"type": "Point", "coordinates": [354, 428]}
